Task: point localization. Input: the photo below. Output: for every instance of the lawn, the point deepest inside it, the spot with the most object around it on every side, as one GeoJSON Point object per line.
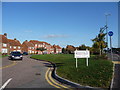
{"type": "Point", "coordinates": [97, 74]}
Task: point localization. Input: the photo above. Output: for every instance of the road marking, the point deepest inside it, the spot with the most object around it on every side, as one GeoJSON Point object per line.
{"type": "Point", "coordinates": [116, 62]}
{"type": "Point", "coordinates": [56, 82]}
{"type": "Point", "coordinates": [5, 84]}
{"type": "Point", "coordinates": [49, 80]}
{"type": "Point", "coordinates": [14, 63]}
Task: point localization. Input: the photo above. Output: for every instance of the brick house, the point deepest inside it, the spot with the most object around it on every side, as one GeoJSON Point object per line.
{"type": "Point", "coordinates": [49, 48]}
{"type": "Point", "coordinates": [41, 44]}
{"type": "Point", "coordinates": [57, 49]}
{"type": "Point", "coordinates": [36, 44]}
{"type": "Point", "coordinates": [4, 44]}
{"type": "Point", "coordinates": [28, 47]}
{"type": "Point", "coordinates": [14, 45]}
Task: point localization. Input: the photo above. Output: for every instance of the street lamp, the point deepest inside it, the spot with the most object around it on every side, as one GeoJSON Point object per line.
{"type": "Point", "coordinates": [107, 29]}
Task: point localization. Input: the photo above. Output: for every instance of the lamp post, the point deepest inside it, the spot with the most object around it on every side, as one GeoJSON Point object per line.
{"type": "Point", "coordinates": [107, 30]}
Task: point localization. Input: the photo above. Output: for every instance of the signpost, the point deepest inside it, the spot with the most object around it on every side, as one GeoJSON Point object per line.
{"type": "Point", "coordinates": [82, 54]}
{"type": "Point", "coordinates": [110, 33]}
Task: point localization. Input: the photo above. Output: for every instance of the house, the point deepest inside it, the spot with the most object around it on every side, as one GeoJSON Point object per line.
{"type": "Point", "coordinates": [40, 44]}
{"type": "Point", "coordinates": [49, 48]}
{"type": "Point", "coordinates": [28, 47]}
{"type": "Point", "coordinates": [14, 45]}
{"type": "Point", "coordinates": [57, 49]}
{"type": "Point", "coordinates": [37, 45]}
{"type": "Point", "coordinates": [4, 44]}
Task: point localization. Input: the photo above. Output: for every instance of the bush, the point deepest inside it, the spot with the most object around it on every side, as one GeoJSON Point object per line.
{"type": "Point", "coordinates": [103, 56]}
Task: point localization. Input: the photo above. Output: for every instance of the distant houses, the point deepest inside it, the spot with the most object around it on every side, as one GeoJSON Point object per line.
{"type": "Point", "coordinates": [31, 47]}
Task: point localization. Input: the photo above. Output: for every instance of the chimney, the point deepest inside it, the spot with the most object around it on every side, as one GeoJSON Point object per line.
{"type": "Point", "coordinates": [15, 39]}
{"type": "Point", "coordinates": [5, 34]}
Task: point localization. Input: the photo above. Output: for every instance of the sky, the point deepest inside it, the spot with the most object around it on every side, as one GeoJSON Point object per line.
{"type": "Point", "coordinates": [60, 23]}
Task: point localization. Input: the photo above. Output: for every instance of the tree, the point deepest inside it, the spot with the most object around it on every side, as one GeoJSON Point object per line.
{"type": "Point", "coordinates": [99, 42]}
{"type": "Point", "coordinates": [41, 49]}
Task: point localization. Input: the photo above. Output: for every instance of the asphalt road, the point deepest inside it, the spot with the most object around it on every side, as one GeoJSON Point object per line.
{"type": "Point", "coordinates": [28, 73]}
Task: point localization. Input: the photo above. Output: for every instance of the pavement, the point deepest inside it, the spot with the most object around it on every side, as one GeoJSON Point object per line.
{"type": "Point", "coordinates": [116, 78]}
{"type": "Point", "coordinates": [28, 73]}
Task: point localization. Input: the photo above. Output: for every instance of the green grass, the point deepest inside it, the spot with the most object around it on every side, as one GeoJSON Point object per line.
{"type": "Point", "coordinates": [1, 56]}
{"type": "Point", "coordinates": [97, 74]}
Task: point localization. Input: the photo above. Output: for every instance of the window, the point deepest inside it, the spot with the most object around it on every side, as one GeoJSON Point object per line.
{"type": "Point", "coordinates": [4, 50]}
{"type": "Point", "coordinates": [18, 47]}
{"type": "Point", "coordinates": [14, 47]}
{"type": "Point", "coordinates": [10, 46]}
{"type": "Point", "coordinates": [4, 45]}
{"type": "Point", "coordinates": [29, 51]}
{"type": "Point", "coordinates": [35, 45]}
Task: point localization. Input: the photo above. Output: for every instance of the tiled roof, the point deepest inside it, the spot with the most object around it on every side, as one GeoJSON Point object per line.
{"type": "Point", "coordinates": [28, 44]}
{"type": "Point", "coordinates": [14, 42]}
{"type": "Point", "coordinates": [57, 46]}
{"type": "Point", "coordinates": [34, 41]}
{"type": "Point", "coordinates": [3, 39]}
{"type": "Point", "coordinates": [38, 42]}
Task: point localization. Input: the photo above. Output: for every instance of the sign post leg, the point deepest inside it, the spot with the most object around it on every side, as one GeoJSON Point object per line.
{"type": "Point", "coordinates": [87, 61]}
{"type": "Point", "coordinates": [76, 62]}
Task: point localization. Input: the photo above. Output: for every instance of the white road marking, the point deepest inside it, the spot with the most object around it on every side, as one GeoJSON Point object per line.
{"type": "Point", "coordinates": [5, 84]}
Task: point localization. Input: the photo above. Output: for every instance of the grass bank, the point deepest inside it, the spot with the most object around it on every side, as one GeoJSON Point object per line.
{"type": "Point", "coordinates": [97, 74]}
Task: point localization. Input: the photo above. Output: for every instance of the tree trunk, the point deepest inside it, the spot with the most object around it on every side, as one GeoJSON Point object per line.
{"type": "Point", "coordinates": [100, 52]}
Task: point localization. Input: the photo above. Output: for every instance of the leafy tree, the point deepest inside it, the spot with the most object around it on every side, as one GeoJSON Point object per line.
{"type": "Point", "coordinates": [41, 49]}
{"type": "Point", "coordinates": [99, 42]}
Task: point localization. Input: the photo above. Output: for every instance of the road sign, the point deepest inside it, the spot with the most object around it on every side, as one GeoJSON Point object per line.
{"type": "Point", "coordinates": [82, 54]}
{"type": "Point", "coordinates": [110, 33]}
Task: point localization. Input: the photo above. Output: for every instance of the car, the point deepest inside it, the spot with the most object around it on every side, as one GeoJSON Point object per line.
{"type": "Point", "coordinates": [25, 53]}
{"type": "Point", "coordinates": [15, 55]}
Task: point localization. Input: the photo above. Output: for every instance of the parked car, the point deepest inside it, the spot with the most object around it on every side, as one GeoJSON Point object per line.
{"type": "Point", "coordinates": [25, 53]}
{"type": "Point", "coordinates": [15, 55]}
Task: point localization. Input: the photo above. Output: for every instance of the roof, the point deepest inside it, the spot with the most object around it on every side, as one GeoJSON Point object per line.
{"type": "Point", "coordinates": [34, 41]}
{"type": "Point", "coordinates": [3, 39]}
{"type": "Point", "coordinates": [57, 46]}
{"type": "Point", "coordinates": [14, 42]}
{"type": "Point", "coordinates": [28, 44]}
{"type": "Point", "coordinates": [38, 42]}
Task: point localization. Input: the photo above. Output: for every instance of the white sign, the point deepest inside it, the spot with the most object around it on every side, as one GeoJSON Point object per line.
{"type": "Point", "coordinates": [82, 54]}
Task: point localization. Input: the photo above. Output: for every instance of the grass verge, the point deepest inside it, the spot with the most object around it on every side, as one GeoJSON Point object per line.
{"type": "Point", "coordinates": [97, 74]}
{"type": "Point", "coordinates": [1, 56]}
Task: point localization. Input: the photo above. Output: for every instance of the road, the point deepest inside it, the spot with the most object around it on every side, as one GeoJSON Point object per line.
{"type": "Point", "coordinates": [28, 73]}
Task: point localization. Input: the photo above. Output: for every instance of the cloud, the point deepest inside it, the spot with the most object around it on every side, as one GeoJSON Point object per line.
{"type": "Point", "coordinates": [55, 36]}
